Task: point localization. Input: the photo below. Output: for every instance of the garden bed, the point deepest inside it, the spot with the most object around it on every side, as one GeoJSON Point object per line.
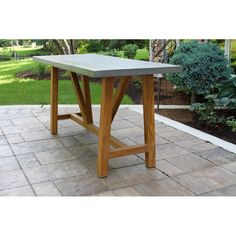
{"type": "Point", "coordinates": [189, 118]}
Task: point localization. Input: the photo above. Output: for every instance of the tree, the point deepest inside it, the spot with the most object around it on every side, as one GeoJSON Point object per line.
{"type": "Point", "coordinates": [204, 64]}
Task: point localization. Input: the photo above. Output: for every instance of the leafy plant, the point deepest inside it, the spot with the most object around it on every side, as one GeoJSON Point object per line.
{"type": "Point", "coordinates": [112, 52]}
{"type": "Point", "coordinates": [227, 93]}
{"type": "Point", "coordinates": [203, 66]}
{"type": "Point", "coordinates": [231, 123]}
{"type": "Point", "coordinates": [205, 112]}
{"type": "Point", "coordinates": [130, 50]}
{"type": "Point", "coordinates": [40, 69]}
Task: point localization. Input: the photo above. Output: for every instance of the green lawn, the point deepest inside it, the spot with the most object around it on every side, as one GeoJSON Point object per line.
{"type": "Point", "coordinates": [28, 91]}
{"type": "Point", "coordinates": [21, 51]}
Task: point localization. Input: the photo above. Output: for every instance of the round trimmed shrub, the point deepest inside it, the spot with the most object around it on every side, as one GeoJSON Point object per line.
{"type": "Point", "coordinates": [204, 64]}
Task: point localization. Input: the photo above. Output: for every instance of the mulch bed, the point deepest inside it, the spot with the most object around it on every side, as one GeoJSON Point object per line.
{"type": "Point", "coordinates": [190, 119]}
{"type": "Point", "coordinates": [169, 96]}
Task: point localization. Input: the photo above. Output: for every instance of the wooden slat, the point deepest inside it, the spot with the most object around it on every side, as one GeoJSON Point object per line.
{"type": "Point", "coordinates": [120, 91]}
{"type": "Point", "coordinates": [79, 96]}
{"type": "Point", "coordinates": [149, 124]}
{"type": "Point", "coordinates": [94, 129]}
{"type": "Point", "coordinates": [124, 151]}
{"type": "Point", "coordinates": [105, 126]}
{"type": "Point", "coordinates": [87, 98]}
{"type": "Point", "coordinates": [67, 116]}
{"type": "Point", "coordinates": [54, 100]}
{"type": "Point", "coordinates": [63, 117]}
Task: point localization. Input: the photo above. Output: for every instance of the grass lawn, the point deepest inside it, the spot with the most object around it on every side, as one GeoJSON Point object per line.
{"type": "Point", "coordinates": [28, 91]}
{"type": "Point", "coordinates": [21, 51]}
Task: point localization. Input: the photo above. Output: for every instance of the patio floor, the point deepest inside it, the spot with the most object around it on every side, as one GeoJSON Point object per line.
{"type": "Point", "coordinates": [34, 162]}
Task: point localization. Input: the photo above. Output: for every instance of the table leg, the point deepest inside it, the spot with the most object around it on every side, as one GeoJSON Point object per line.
{"type": "Point", "coordinates": [105, 126]}
{"type": "Point", "coordinates": [54, 100]}
{"type": "Point", "coordinates": [149, 123]}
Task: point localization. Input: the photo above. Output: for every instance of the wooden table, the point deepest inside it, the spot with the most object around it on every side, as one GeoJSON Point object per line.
{"type": "Point", "coordinates": [90, 66]}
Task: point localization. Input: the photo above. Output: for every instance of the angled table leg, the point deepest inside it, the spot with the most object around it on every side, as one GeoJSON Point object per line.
{"type": "Point", "coordinates": [87, 98]}
{"type": "Point", "coordinates": [54, 100]}
{"type": "Point", "coordinates": [119, 94]}
{"type": "Point", "coordinates": [149, 123]}
{"type": "Point", "coordinates": [105, 126]}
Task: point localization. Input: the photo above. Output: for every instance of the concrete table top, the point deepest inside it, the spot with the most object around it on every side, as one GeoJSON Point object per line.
{"type": "Point", "coordinates": [94, 65]}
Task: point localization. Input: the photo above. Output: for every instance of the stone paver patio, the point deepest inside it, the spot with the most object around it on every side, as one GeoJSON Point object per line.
{"type": "Point", "coordinates": [34, 162]}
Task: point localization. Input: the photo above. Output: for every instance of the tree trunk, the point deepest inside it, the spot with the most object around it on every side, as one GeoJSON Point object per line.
{"type": "Point", "coordinates": [193, 97]}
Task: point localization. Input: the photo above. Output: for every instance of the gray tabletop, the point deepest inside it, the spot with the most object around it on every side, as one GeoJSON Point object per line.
{"type": "Point", "coordinates": [94, 65]}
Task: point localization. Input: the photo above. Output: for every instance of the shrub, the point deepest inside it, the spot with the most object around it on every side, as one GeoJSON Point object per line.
{"type": "Point", "coordinates": [231, 123]}
{"type": "Point", "coordinates": [205, 112]}
{"type": "Point", "coordinates": [118, 44]}
{"type": "Point", "coordinates": [130, 50]}
{"type": "Point", "coordinates": [227, 93]}
{"type": "Point", "coordinates": [112, 52]}
{"type": "Point", "coordinates": [5, 43]}
{"type": "Point", "coordinates": [40, 69]}
{"type": "Point", "coordinates": [203, 66]}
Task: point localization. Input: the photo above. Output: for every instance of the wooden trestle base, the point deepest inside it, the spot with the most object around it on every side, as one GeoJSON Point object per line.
{"type": "Point", "coordinates": [109, 107]}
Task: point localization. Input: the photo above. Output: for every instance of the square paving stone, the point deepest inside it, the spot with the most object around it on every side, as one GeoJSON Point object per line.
{"type": "Point", "coordinates": [168, 131]}
{"type": "Point", "coordinates": [70, 141]}
{"type": "Point", "coordinates": [3, 140]}
{"type": "Point", "coordinates": [71, 131]}
{"type": "Point", "coordinates": [37, 135]}
{"type": "Point", "coordinates": [138, 121]}
{"type": "Point", "coordinates": [200, 147]}
{"type": "Point", "coordinates": [36, 146]}
{"type": "Point", "coordinates": [58, 155]}
{"type": "Point", "coordinates": [46, 189]}
{"type": "Point", "coordinates": [168, 150]}
{"type": "Point", "coordinates": [24, 128]}
{"type": "Point", "coordinates": [27, 160]}
{"type": "Point", "coordinates": [190, 162]}
{"type": "Point", "coordinates": [4, 123]}
{"type": "Point", "coordinates": [129, 176]}
{"type": "Point", "coordinates": [140, 139]}
{"type": "Point", "coordinates": [12, 179]}
{"type": "Point", "coordinates": [128, 132]}
{"type": "Point", "coordinates": [206, 180]}
{"type": "Point", "coordinates": [130, 191]}
{"type": "Point", "coordinates": [8, 163]}
{"type": "Point", "coordinates": [87, 155]}
{"type": "Point", "coordinates": [124, 161]}
{"type": "Point", "coordinates": [182, 138]}
{"type": "Point", "coordinates": [218, 155]}
{"type": "Point", "coordinates": [122, 124]}
{"type": "Point", "coordinates": [55, 171]}
{"type": "Point", "coordinates": [116, 180]}
{"type": "Point", "coordinates": [66, 123]}
{"type": "Point", "coordinates": [25, 191]}
{"type": "Point", "coordinates": [82, 185]}
{"type": "Point", "coordinates": [126, 112]}
{"type": "Point", "coordinates": [140, 173]}
{"type": "Point", "coordinates": [165, 187]}
{"type": "Point", "coordinates": [5, 151]}
{"type": "Point", "coordinates": [14, 138]}
{"type": "Point", "coordinates": [230, 166]}
{"type": "Point", "coordinates": [189, 141]}
{"type": "Point", "coordinates": [168, 168]}
{"type": "Point", "coordinates": [25, 121]}
{"type": "Point", "coordinates": [227, 191]}
{"type": "Point", "coordinates": [87, 138]}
